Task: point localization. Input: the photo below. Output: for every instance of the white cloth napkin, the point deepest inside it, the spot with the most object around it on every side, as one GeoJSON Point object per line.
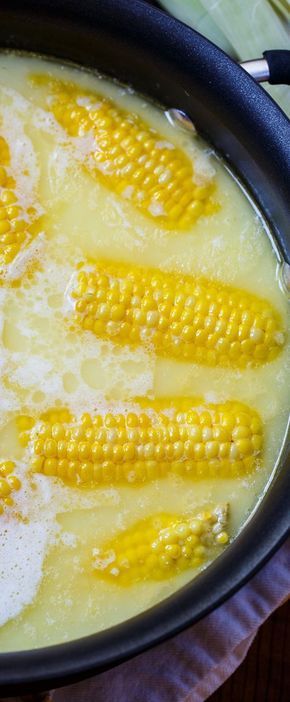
{"type": "Point", "coordinates": [191, 666]}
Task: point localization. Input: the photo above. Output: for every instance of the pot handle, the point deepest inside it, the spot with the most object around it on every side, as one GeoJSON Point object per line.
{"type": "Point", "coordinates": [274, 67]}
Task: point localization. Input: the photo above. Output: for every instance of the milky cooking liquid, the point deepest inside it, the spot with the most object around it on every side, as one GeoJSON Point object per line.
{"type": "Point", "coordinates": [49, 591]}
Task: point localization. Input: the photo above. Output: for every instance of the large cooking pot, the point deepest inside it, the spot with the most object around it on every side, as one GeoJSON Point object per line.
{"type": "Point", "coordinates": [166, 60]}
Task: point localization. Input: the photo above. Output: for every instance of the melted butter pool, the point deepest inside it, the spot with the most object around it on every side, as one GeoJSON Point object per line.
{"type": "Point", "coordinates": [49, 592]}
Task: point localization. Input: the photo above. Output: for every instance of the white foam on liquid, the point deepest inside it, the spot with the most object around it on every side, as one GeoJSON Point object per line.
{"type": "Point", "coordinates": [22, 550]}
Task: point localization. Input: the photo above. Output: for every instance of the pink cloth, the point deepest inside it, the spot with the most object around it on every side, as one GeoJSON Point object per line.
{"type": "Point", "coordinates": [191, 666]}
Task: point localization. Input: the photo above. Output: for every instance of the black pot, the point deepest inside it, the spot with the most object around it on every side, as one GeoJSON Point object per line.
{"type": "Point", "coordinates": [179, 68]}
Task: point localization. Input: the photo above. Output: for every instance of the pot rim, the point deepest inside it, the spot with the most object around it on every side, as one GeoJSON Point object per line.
{"type": "Point", "coordinates": [269, 526]}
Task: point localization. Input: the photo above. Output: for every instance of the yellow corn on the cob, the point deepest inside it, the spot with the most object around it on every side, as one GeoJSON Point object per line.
{"type": "Point", "coordinates": [131, 158]}
{"type": "Point", "coordinates": [195, 440]}
{"type": "Point", "coordinates": [176, 315]}
{"type": "Point", "coordinates": [161, 546]}
{"type": "Point", "coordinates": [8, 484]}
{"type": "Point", "coordinates": [17, 229]}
